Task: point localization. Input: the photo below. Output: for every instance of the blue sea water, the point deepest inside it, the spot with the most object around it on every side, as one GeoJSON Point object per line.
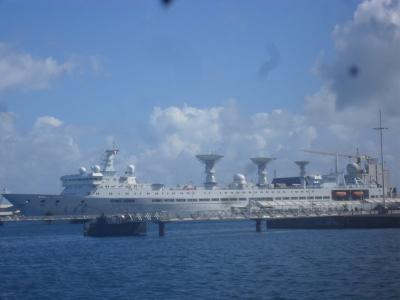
{"type": "Point", "coordinates": [202, 260]}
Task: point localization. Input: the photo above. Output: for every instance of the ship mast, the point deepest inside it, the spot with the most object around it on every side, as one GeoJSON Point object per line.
{"type": "Point", "coordinates": [380, 128]}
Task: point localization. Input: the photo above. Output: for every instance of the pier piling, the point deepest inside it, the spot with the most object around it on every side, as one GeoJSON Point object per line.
{"type": "Point", "coordinates": [161, 228]}
{"type": "Point", "coordinates": [258, 225]}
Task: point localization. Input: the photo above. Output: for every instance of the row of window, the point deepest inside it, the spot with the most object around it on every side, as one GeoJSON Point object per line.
{"type": "Point", "coordinates": [188, 193]}
{"type": "Point", "coordinates": [199, 200]}
{"type": "Point", "coordinates": [81, 179]}
{"type": "Point", "coordinates": [240, 199]}
{"type": "Point", "coordinates": [237, 192]}
{"type": "Point", "coordinates": [212, 199]}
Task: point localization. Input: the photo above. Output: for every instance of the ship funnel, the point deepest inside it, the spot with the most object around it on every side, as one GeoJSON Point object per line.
{"type": "Point", "coordinates": [302, 165]}
{"type": "Point", "coordinates": [261, 163]}
{"type": "Point", "coordinates": [209, 161]}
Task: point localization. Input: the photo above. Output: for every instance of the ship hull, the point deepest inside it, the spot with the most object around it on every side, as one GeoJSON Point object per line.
{"type": "Point", "coordinates": [49, 205]}
{"type": "Point", "coordinates": [195, 201]}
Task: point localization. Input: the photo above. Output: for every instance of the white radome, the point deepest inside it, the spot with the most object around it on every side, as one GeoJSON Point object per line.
{"type": "Point", "coordinates": [96, 169]}
{"type": "Point", "coordinates": [239, 178]}
{"type": "Point", "coordinates": [130, 169]}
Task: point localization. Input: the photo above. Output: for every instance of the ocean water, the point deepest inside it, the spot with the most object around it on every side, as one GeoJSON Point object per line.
{"type": "Point", "coordinates": [202, 260]}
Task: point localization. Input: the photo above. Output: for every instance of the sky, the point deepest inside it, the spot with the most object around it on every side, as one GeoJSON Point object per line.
{"type": "Point", "coordinates": [166, 82]}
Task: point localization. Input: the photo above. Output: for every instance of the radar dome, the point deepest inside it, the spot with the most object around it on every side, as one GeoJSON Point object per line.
{"type": "Point", "coordinates": [130, 169]}
{"type": "Point", "coordinates": [353, 169]}
{"type": "Point", "coordinates": [239, 178]}
{"type": "Point", "coordinates": [82, 170]}
{"type": "Point", "coordinates": [96, 169]}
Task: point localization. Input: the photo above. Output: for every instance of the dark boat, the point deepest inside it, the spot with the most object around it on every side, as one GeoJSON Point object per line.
{"type": "Point", "coordinates": [115, 226]}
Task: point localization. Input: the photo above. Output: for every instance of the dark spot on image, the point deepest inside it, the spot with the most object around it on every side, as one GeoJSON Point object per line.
{"type": "Point", "coordinates": [166, 2]}
{"type": "Point", "coordinates": [354, 71]}
{"type": "Point", "coordinates": [272, 62]}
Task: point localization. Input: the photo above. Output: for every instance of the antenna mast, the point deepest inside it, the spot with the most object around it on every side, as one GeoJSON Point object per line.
{"type": "Point", "coordinates": [380, 128]}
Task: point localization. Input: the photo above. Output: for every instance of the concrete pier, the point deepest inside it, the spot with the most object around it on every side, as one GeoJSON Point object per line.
{"type": "Point", "coordinates": [283, 217]}
{"type": "Point", "coordinates": [337, 222]}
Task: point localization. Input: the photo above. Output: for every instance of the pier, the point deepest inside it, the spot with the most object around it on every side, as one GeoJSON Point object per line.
{"type": "Point", "coordinates": [285, 216]}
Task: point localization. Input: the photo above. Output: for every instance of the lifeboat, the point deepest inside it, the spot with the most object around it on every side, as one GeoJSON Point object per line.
{"type": "Point", "coordinates": [340, 194]}
{"type": "Point", "coordinates": [357, 194]}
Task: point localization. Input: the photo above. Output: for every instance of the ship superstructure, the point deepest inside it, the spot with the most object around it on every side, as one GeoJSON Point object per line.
{"type": "Point", "coordinates": [101, 190]}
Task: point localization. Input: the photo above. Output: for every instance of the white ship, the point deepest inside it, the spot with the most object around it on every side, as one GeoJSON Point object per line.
{"type": "Point", "coordinates": [101, 190]}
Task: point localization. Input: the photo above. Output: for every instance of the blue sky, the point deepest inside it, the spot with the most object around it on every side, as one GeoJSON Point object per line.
{"type": "Point", "coordinates": [197, 52]}
{"type": "Point", "coordinates": [75, 75]}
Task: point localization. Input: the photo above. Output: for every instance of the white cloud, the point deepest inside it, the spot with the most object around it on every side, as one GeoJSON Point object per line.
{"type": "Point", "coordinates": [21, 70]}
{"type": "Point", "coordinates": [34, 161]}
{"type": "Point", "coordinates": [48, 121]}
{"type": "Point", "coordinates": [182, 132]}
{"type": "Point", "coordinates": [366, 70]}
{"type": "Point", "coordinates": [188, 122]}
{"type": "Point", "coordinates": [362, 78]}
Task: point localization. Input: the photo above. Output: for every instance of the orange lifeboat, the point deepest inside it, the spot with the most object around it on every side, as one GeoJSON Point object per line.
{"type": "Point", "coordinates": [357, 194]}
{"type": "Point", "coordinates": [340, 194]}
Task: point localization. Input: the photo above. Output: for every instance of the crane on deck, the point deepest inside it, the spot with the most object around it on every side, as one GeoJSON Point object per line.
{"type": "Point", "coordinates": [357, 156]}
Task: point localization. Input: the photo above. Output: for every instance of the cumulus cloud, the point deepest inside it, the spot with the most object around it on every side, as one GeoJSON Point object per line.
{"type": "Point", "coordinates": [33, 161]}
{"type": "Point", "coordinates": [21, 70]}
{"type": "Point", "coordinates": [361, 79]}
{"type": "Point", "coordinates": [182, 132]}
{"type": "Point", "coordinates": [366, 68]}
{"type": "Point", "coordinates": [48, 121]}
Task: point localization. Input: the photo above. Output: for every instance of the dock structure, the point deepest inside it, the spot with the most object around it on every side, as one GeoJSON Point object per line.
{"type": "Point", "coordinates": [276, 217]}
